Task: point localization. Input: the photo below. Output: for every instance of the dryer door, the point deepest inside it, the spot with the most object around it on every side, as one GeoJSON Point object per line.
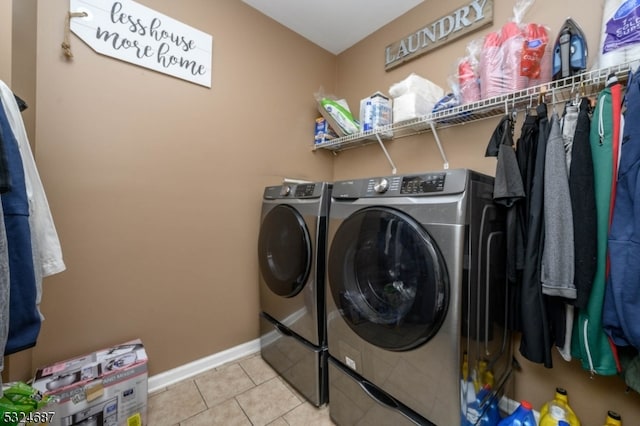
{"type": "Point", "coordinates": [284, 251]}
{"type": "Point", "coordinates": [388, 278]}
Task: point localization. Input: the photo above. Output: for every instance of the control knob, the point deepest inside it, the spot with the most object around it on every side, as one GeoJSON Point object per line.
{"type": "Point", "coordinates": [285, 190]}
{"type": "Point", "coordinates": [381, 186]}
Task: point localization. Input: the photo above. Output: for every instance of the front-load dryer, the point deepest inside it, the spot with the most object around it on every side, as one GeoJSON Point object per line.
{"type": "Point", "coordinates": [416, 299]}
{"type": "Point", "coordinates": [291, 257]}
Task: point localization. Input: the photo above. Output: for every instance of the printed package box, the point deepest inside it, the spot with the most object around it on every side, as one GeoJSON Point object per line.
{"type": "Point", "coordinates": [106, 388]}
{"type": "Point", "coordinates": [375, 112]}
{"type": "Point", "coordinates": [323, 132]}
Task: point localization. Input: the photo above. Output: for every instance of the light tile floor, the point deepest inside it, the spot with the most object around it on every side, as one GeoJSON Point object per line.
{"type": "Point", "coordinates": [244, 392]}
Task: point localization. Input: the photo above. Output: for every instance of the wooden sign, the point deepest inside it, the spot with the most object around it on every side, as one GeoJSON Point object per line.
{"type": "Point", "coordinates": [464, 20]}
{"type": "Point", "coordinates": [131, 32]}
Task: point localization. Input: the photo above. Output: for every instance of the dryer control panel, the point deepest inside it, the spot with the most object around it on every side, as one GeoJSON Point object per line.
{"type": "Point", "coordinates": [305, 190]}
{"type": "Point", "coordinates": [295, 191]}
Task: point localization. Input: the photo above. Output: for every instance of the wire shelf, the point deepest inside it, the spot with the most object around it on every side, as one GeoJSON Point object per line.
{"type": "Point", "coordinates": [588, 83]}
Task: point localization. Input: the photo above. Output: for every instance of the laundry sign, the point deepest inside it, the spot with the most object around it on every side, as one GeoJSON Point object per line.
{"type": "Point", "coordinates": [471, 17]}
{"type": "Point", "coordinates": [134, 33]}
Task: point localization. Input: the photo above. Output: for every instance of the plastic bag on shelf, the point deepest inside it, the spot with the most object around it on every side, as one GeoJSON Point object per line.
{"type": "Point", "coordinates": [414, 97]}
{"type": "Point", "coordinates": [337, 113]}
{"type": "Point", "coordinates": [467, 73]}
{"type": "Point", "coordinates": [516, 57]}
{"type": "Point", "coordinates": [513, 40]}
{"type": "Point", "coordinates": [428, 90]}
{"type": "Point", "coordinates": [490, 66]}
{"type": "Point", "coordinates": [512, 45]}
{"type": "Point", "coordinates": [450, 100]}
{"type": "Point", "coordinates": [537, 55]}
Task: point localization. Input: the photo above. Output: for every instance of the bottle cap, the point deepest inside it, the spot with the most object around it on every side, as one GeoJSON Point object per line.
{"type": "Point", "coordinates": [614, 415]}
{"type": "Point", "coordinates": [526, 404]}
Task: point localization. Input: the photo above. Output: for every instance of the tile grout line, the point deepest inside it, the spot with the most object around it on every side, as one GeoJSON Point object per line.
{"type": "Point", "coordinates": [203, 400]}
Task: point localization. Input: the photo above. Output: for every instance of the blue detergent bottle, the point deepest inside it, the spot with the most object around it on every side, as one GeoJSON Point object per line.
{"type": "Point", "coordinates": [523, 416]}
{"type": "Point", "coordinates": [491, 416]}
{"type": "Point", "coordinates": [483, 411]}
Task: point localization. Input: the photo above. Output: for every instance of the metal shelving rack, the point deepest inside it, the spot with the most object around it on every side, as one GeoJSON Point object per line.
{"type": "Point", "coordinates": [588, 83]}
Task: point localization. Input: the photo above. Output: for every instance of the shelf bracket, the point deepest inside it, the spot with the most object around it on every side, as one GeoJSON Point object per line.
{"type": "Point", "coordinates": [394, 170]}
{"type": "Point", "coordinates": [439, 144]}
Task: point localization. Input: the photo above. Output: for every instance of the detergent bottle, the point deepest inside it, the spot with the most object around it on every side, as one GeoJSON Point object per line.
{"type": "Point", "coordinates": [613, 419]}
{"type": "Point", "coordinates": [558, 409]}
{"type": "Point", "coordinates": [491, 416]}
{"type": "Point", "coordinates": [482, 375]}
{"type": "Point", "coordinates": [523, 416]}
{"type": "Point", "coordinates": [483, 411]}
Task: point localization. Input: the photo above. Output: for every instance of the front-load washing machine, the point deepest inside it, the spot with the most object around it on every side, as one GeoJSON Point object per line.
{"type": "Point", "coordinates": [416, 299]}
{"type": "Point", "coordinates": [291, 257]}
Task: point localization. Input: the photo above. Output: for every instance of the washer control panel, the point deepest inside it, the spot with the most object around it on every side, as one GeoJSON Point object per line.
{"type": "Point", "coordinates": [427, 184]}
{"type": "Point", "coordinates": [423, 184]}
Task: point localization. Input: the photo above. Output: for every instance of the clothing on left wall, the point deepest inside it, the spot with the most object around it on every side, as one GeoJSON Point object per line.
{"type": "Point", "coordinates": [29, 245]}
{"type": "Point", "coordinates": [24, 321]}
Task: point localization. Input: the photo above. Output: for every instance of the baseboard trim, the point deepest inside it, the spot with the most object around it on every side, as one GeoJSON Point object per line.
{"type": "Point", "coordinates": [167, 378]}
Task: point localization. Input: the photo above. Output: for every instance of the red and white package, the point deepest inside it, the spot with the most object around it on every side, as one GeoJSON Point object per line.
{"type": "Point", "coordinates": [468, 82]}
{"type": "Point", "coordinates": [490, 66]}
{"type": "Point", "coordinates": [513, 41]}
{"type": "Point", "coordinates": [537, 59]}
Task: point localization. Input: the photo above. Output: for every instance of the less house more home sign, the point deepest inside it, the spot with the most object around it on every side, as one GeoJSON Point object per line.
{"type": "Point", "coordinates": [134, 33]}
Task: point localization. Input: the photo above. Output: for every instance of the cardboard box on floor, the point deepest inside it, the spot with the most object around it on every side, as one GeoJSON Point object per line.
{"type": "Point", "coordinates": [107, 387]}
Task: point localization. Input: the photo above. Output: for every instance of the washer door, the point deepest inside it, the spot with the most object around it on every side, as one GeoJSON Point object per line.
{"type": "Point", "coordinates": [284, 251]}
{"type": "Point", "coordinates": [388, 278]}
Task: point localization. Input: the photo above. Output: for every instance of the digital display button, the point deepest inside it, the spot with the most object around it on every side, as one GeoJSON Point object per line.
{"type": "Point", "coordinates": [305, 190]}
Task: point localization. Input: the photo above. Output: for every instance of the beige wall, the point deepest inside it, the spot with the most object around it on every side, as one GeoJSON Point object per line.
{"type": "Point", "coordinates": [155, 182]}
{"type": "Point", "coordinates": [5, 40]}
{"type": "Point", "coordinates": [361, 72]}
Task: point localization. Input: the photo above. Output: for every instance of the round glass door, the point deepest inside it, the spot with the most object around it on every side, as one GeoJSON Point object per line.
{"type": "Point", "coordinates": [284, 251]}
{"type": "Point", "coordinates": [388, 278]}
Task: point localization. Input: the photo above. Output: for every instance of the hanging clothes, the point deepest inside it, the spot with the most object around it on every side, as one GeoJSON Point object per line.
{"type": "Point", "coordinates": [508, 191]}
{"type": "Point", "coordinates": [575, 134]}
{"type": "Point", "coordinates": [525, 157]}
{"type": "Point", "coordinates": [557, 266]}
{"type": "Point", "coordinates": [4, 291]}
{"type": "Point", "coordinates": [568, 125]}
{"type": "Point", "coordinates": [24, 319]}
{"type": "Point", "coordinates": [622, 292]}
{"type": "Point", "coordinates": [583, 205]}
{"type": "Point", "coordinates": [29, 228]}
{"type": "Point", "coordinates": [5, 178]}
{"type": "Point", "coordinates": [507, 188]}
{"type": "Point", "coordinates": [525, 154]}
{"type": "Point", "coordinates": [589, 342]}
{"type": "Point", "coordinates": [47, 251]}
{"type": "Point", "coordinates": [536, 337]}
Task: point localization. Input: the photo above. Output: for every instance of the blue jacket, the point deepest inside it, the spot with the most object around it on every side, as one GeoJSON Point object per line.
{"type": "Point", "coordinates": [622, 294]}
